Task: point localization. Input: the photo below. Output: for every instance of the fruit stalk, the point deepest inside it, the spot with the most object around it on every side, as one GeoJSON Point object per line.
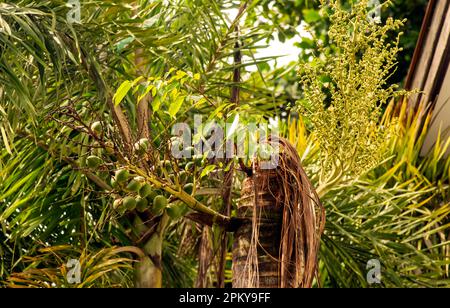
{"type": "Point", "coordinates": [190, 201]}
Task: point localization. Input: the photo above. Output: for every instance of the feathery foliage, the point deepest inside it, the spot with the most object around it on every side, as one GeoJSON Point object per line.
{"type": "Point", "coordinates": [344, 94]}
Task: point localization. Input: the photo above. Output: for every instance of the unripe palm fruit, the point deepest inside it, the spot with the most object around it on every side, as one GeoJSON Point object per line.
{"type": "Point", "coordinates": [94, 161]}
{"type": "Point", "coordinates": [117, 203]}
{"type": "Point", "coordinates": [129, 203]}
{"type": "Point", "coordinates": [189, 188]}
{"type": "Point", "coordinates": [122, 175]}
{"type": "Point", "coordinates": [145, 143]}
{"type": "Point", "coordinates": [114, 183]}
{"type": "Point", "coordinates": [183, 176]}
{"type": "Point", "coordinates": [141, 204]}
{"type": "Point", "coordinates": [183, 208]}
{"type": "Point", "coordinates": [189, 166]}
{"type": "Point", "coordinates": [176, 210]}
{"type": "Point", "coordinates": [109, 147]}
{"type": "Point", "coordinates": [97, 127]}
{"type": "Point", "coordinates": [145, 190]}
{"type": "Point", "coordinates": [159, 203]}
{"type": "Point", "coordinates": [134, 186]}
{"type": "Point", "coordinates": [142, 145]}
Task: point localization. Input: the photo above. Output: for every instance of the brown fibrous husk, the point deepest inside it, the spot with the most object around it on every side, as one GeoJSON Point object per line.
{"type": "Point", "coordinates": [302, 221]}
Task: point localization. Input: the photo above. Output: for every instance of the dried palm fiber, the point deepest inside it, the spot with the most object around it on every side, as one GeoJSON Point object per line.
{"type": "Point", "coordinates": [278, 246]}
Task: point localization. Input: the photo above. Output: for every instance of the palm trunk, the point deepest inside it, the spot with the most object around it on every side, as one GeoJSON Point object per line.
{"type": "Point", "coordinates": [260, 270]}
{"type": "Point", "coordinates": [205, 259]}
{"type": "Point", "coordinates": [278, 243]}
